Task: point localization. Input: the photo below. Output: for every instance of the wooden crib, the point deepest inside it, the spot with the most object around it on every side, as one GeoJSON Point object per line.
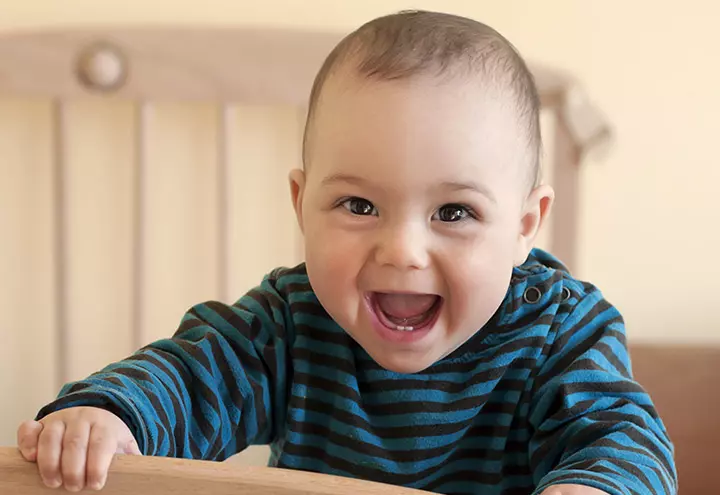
{"type": "Point", "coordinates": [131, 159]}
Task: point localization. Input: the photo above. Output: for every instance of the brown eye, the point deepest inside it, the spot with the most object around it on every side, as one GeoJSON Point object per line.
{"type": "Point", "coordinates": [452, 213]}
{"type": "Point", "coordinates": [359, 206]}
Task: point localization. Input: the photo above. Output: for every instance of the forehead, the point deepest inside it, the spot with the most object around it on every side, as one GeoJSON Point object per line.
{"type": "Point", "coordinates": [420, 126]}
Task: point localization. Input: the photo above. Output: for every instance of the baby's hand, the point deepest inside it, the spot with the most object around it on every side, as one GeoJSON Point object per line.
{"type": "Point", "coordinates": [572, 490]}
{"type": "Point", "coordinates": [74, 447]}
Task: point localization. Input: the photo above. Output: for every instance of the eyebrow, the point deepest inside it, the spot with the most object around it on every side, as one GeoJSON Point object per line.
{"type": "Point", "coordinates": [449, 185]}
{"type": "Point", "coordinates": [469, 186]}
{"type": "Point", "coordinates": [347, 178]}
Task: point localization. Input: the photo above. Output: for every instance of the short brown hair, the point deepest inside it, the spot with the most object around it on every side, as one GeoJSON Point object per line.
{"type": "Point", "coordinates": [415, 42]}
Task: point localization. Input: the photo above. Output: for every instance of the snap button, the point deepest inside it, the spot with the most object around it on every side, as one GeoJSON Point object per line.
{"type": "Point", "coordinates": [565, 294]}
{"type": "Point", "coordinates": [532, 295]}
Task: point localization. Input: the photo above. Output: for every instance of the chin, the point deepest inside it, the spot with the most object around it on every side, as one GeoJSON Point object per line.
{"type": "Point", "coordinates": [404, 364]}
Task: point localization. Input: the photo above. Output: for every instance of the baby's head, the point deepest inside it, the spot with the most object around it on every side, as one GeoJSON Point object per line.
{"type": "Point", "coordinates": [419, 189]}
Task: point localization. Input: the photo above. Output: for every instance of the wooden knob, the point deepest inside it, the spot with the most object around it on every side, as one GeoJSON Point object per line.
{"type": "Point", "coordinates": [102, 67]}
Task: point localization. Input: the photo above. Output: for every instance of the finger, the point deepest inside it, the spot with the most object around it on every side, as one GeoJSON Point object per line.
{"type": "Point", "coordinates": [101, 449]}
{"type": "Point", "coordinates": [48, 453]}
{"type": "Point", "coordinates": [129, 447]}
{"type": "Point", "coordinates": [27, 439]}
{"type": "Point", "coordinates": [74, 455]}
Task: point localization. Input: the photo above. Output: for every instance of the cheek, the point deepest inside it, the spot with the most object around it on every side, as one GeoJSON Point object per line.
{"type": "Point", "coordinates": [329, 248]}
{"type": "Point", "coordinates": [477, 279]}
{"type": "Point", "coordinates": [334, 259]}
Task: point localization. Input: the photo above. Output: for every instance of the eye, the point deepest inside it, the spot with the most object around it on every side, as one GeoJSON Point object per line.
{"type": "Point", "coordinates": [451, 213]}
{"type": "Point", "coordinates": [359, 206]}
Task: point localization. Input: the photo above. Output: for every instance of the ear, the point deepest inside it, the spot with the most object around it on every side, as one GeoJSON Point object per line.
{"type": "Point", "coordinates": [297, 192]}
{"type": "Point", "coordinates": [535, 212]}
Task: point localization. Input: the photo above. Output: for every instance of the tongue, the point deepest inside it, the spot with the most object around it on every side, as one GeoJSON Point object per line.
{"type": "Point", "coordinates": [405, 305]}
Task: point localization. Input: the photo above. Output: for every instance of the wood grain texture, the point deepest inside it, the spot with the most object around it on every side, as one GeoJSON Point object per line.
{"type": "Point", "coordinates": [137, 475]}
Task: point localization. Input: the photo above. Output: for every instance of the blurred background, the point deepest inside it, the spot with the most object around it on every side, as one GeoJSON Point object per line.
{"type": "Point", "coordinates": [648, 220]}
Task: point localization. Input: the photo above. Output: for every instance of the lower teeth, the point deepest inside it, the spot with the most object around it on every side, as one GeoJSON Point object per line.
{"type": "Point", "coordinates": [404, 329]}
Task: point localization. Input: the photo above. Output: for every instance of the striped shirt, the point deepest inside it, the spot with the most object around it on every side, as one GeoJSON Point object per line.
{"type": "Point", "coordinates": [543, 394]}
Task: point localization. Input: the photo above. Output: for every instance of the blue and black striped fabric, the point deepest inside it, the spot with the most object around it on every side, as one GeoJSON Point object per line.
{"type": "Point", "coordinates": [542, 395]}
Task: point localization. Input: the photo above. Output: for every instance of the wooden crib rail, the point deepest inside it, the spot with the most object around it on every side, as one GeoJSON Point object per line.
{"type": "Point", "coordinates": [137, 475]}
{"type": "Point", "coordinates": [155, 64]}
{"type": "Point", "coordinates": [240, 65]}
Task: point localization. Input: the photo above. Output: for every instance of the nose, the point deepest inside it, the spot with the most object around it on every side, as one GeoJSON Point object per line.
{"type": "Point", "coordinates": [405, 247]}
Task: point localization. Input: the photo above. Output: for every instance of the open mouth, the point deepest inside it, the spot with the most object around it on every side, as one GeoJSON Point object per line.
{"type": "Point", "coordinates": [405, 312]}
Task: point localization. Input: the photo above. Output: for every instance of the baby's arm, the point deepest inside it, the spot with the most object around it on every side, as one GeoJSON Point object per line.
{"type": "Point", "coordinates": [594, 426]}
{"type": "Point", "coordinates": [206, 393]}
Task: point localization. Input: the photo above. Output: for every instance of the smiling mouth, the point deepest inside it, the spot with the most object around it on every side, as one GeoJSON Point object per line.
{"type": "Point", "coordinates": [405, 312]}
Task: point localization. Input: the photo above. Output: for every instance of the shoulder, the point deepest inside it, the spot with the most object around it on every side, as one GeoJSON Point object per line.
{"type": "Point", "coordinates": [547, 273]}
{"type": "Point", "coordinates": [543, 291]}
{"type": "Point", "coordinates": [282, 284]}
{"type": "Point", "coordinates": [270, 298]}
{"type": "Point", "coordinates": [580, 318]}
{"type": "Point", "coordinates": [285, 293]}
{"type": "Point", "coordinates": [543, 282]}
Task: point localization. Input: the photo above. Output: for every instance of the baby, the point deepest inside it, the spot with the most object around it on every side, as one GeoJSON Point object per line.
{"type": "Point", "coordinates": [424, 342]}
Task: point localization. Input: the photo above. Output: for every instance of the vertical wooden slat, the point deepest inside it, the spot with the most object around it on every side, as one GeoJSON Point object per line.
{"type": "Point", "coordinates": [264, 145]}
{"type": "Point", "coordinates": [301, 118]}
{"type": "Point", "coordinates": [138, 241]}
{"type": "Point", "coordinates": [60, 243]}
{"type": "Point", "coordinates": [98, 177]}
{"type": "Point", "coordinates": [547, 124]}
{"type": "Point", "coordinates": [27, 305]}
{"type": "Point", "coordinates": [222, 202]}
{"type": "Point", "coordinates": [566, 181]}
{"type": "Point", "coordinates": [180, 221]}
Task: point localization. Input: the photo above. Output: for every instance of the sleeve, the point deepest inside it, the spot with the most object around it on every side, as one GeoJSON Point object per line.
{"type": "Point", "coordinates": [213, 388]}
{"type": "Point", "coordinates": [592, 423]}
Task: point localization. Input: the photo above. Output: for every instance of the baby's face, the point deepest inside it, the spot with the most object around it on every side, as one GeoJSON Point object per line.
{"type": "Point", "coordinates": [414, 208]}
